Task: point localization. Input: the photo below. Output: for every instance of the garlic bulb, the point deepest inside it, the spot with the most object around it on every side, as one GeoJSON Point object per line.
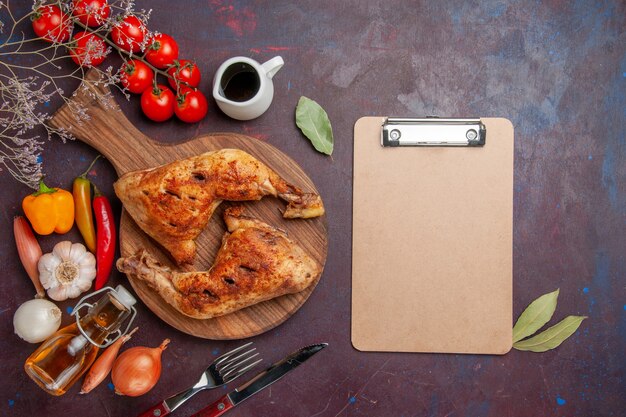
{"type": "Point", "coordinates": [68, 271]}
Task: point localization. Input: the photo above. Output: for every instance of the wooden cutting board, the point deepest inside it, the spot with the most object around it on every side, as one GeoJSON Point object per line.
{"type": "Point", "coordinates": [112, 134]}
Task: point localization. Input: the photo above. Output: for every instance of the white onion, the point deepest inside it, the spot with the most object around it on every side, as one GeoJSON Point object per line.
{"type": "Point", "coordinates": [36, 320]}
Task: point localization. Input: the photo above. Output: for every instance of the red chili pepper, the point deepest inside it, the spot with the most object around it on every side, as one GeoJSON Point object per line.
{"type": "Point", "coordinates": [106, 240]}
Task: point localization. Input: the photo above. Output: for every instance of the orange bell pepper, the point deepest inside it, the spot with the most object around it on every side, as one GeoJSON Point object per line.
{"type": "Point", "coordinates": [49, 210]}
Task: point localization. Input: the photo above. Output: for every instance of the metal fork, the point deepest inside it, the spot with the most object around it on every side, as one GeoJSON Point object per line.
{"type": "Point", "coordinates": [223, 370]}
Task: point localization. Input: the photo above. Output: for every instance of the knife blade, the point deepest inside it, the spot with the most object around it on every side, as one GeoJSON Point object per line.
{"type": "Point", "coordinates": [263, 380]}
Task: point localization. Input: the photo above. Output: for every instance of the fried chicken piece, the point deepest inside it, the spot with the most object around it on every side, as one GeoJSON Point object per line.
{"type": "Point", "coordinates": [256, 262]}
{"type": "Point", "coordinates": [173, 203]}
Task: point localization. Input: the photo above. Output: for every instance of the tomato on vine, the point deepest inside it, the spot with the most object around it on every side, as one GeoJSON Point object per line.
{"type": "Point", "coordinates": [191, 105]}
{"type": "Point", "coordinates": [88, 50]}
{"type": "Point", "coordinates": [186, 71]}
{"type": "Point", "coordinates": [129, 33]}
{"type": "Point", "coordinates": [51, 24]}
{"type": "Point", "coordinates": [157, 103]}
{"type": "Point", "coordinates": [136, 76]}
{"type": "Point", "coordinates": [92, 13]}
{"type": "Point", "coordinates": [162, 51]}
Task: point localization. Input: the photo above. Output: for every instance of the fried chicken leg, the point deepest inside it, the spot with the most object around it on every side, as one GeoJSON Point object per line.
{"type": "Point", "coordinates": [256, 262]}
{"type": "Point", "coordinates": [173, 203]}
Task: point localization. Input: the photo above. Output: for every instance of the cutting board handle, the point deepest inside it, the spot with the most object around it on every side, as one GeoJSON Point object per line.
{"type": "Point", "coordinates": [105, 128]}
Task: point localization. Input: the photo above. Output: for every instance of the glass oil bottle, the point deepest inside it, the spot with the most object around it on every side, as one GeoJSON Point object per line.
{"type": "Point", "coordinates": [65, 356]}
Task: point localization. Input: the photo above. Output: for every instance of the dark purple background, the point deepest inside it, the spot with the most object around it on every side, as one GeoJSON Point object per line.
{"type": "Point", "coordinates": [557, 69]}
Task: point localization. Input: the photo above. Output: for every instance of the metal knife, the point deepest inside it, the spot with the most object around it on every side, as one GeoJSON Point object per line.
{"type": "Point", "coordinates": [262, 380]}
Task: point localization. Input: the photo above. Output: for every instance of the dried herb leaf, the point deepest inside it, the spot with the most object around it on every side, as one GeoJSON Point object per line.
{"type": "Point", "coordinates": [313, 121]}
{"type": "Point", "coordinates": [538, 313]}
{"type": "Point", "coordinates": [552, 337]}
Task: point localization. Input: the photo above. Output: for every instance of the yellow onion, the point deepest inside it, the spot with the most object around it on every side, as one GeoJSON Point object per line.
{"type": "Point", "coordinates": [137, 370]}
{"type": "Point", "coordinates": [102, 366]}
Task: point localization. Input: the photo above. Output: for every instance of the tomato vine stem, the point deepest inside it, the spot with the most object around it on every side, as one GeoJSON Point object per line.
{"type": "Point", "coordinates": [122, 51]}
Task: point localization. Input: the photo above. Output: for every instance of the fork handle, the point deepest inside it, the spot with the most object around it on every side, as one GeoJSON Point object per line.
{"type": "Point", "coordinates": [216, 409]}
{"type": "Point", "coordinates": [158, 410]}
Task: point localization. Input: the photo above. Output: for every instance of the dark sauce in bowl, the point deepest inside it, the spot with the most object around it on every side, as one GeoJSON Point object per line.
{"type": "Point", "coordinates": [240, 82]}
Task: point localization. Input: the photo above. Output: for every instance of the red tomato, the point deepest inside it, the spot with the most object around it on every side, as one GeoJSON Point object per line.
{"type": "Point", "coordinates": [191, 105]}
{"type": "Point", "coordinates": [89, 50]}
{"type": "Point", "coordinates": [136, 76]}
{"type": "Point", "coordinates": [162, 51]}
{"type": "Point", "coordinates": [92, 13]}
{"type": "Point", "coordinates": [158, 103]}
{"type": "Point", "coordinates": [51, 24]}
{"type": "Point", "coordinates": [129, 34]}
{"type": "Point", "coordinates": [186, 71]}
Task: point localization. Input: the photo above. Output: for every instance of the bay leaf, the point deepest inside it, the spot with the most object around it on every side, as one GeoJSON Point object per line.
{"type": "Point", "coordinates": [552, 337]}
{"type": "Point", "coordinates": [314, 123]}
{"type": "Point", "coordinates": [538, 313]}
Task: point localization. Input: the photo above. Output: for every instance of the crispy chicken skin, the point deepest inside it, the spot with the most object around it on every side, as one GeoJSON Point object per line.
{"type": "Point", "coordinates": [173, 203]}
{"type": "Point", "coordinates": [256, 262]}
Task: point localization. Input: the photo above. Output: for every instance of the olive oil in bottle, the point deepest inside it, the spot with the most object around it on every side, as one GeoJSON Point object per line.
{"type": "Point", "coordinates": [65, 356]}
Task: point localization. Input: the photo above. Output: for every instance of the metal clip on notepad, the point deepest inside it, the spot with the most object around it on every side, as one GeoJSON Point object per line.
{"type": "Point", "coordinates": [432, 131]}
